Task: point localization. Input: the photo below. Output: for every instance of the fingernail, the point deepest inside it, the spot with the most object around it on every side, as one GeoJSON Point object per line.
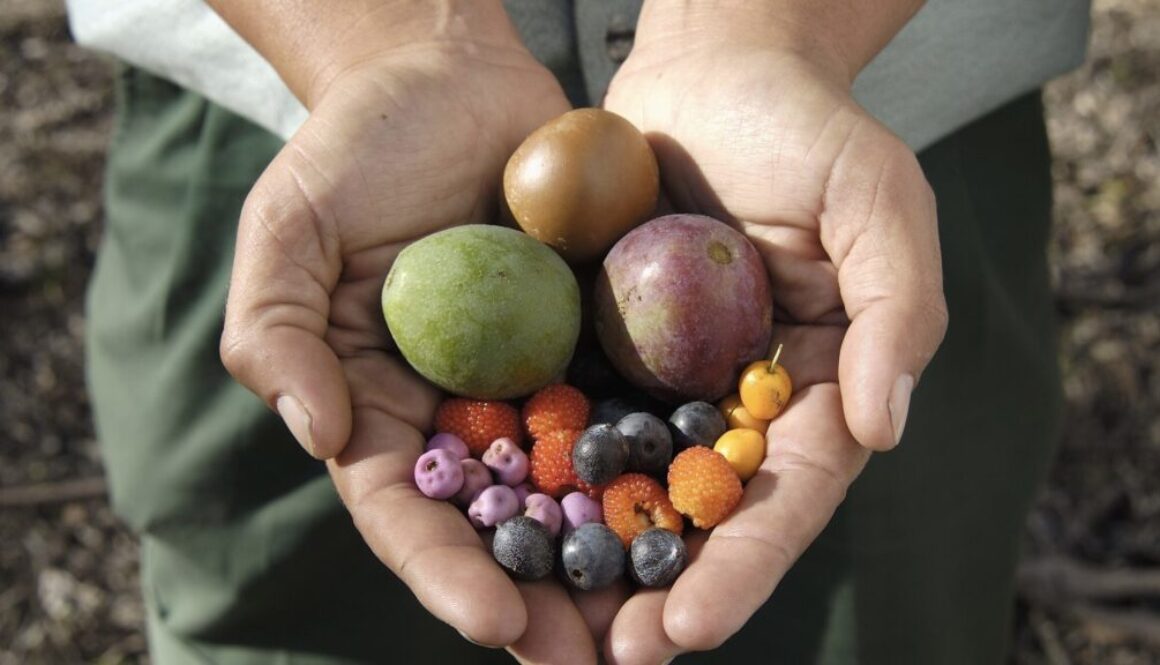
{"type": "Point", "coordinates": [297, 419]}
{"type": "Point", "coordinates": [478, 644]}
{"type": "Point", "coordinates": [899, 404]}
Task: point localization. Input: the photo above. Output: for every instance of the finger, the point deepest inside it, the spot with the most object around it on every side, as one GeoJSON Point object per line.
{"type": "Point", "coordinates": [879, 227]}
{"type": "Point", "coordinates": [637, 635]}
{"type": "Point", "coordinates": [285, 265]}
{"type": "Point", "coordinates": [428, 544]}
{"type": "Point", "coordinates": [556, 631]}
{"type": "Point", "coordinates": [599, 607]}
{"type": "Point", "coordinates": [811, 461]}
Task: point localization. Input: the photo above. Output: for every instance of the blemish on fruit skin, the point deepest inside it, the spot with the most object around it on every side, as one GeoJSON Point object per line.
{"type": "Point", "coordinates": [720, 253]}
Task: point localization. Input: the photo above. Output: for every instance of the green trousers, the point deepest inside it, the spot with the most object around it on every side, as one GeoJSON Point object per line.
{"type": "Point", "coordinates": [248, 556]}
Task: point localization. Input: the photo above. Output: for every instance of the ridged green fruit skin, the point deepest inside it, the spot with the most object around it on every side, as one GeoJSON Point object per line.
{"type": "Point", "coordinates": [483, 311]}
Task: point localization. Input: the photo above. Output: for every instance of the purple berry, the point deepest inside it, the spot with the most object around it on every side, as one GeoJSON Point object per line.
{"type": "Point", "coordinates": [449, 442]}
{"type": "Point", "coordinates": [493, 505]}
{"type": "Point", "coordinates": [507, 461]}
{"type": "Point", "coordinates": [545, 509]}
{"type": "Point", "coordinates": [579, 509]}
{"type": "Point", "coordinates": [438, 474]}
{"type": "Point", "coordinates": [593, 556]}
{"type": "Point", "coordinates": [650, 445]}
{"type": "Point", "coordinates": [523, 491]}
{"type": "Point", "coordinates": [599, 455]}
{"type": "Point", "coordinates": [476, 478]}
{"type": "Point", "coordinates": [696, 424]}
{"type": "Point", "coordinates": [524, 548]}
{"type": "Point", "coordinates": [656, 557]}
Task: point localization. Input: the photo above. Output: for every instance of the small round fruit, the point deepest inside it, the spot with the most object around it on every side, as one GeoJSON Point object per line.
{"type": "Point", "coordinates": [579, 508]}
{"type": "Point", "coordinates": [657, 556]}
{"type": "Point", "coordinates": [581, 181]}
{"type": "Point", "coordinates": [492, 506]}
{"type": "Point", "coordinates": [593, 556]}
{"type": "Point", "coordinates": [545, 509]}
{"type": "Point", "coordinates": [737, 416]}
{"type": "Point", "coordinates": [483, 311]}
{"type": "Point", "coordinates": [744, 449]}
{"type": "Point", "coordinates": [696, 424]}
{"type": "Point", "coordinates": [523, 547]}
{"type": "Point", "coordinates": [650, 444]}
{"type": "Point", "coordinates": [476, 478]}
{"type": "Point", "coordinates": [765, 387]}
{"type": "Point", "coordinates": [599, 455]}
{"type": "Point", "coordinates": [507, 461]}
{"type": "Point", "coordinates": [703, 486]}
{"type": "Point", "coordinates": [449, 442]}
{"type": "Point", "coordinates": [438, 474]}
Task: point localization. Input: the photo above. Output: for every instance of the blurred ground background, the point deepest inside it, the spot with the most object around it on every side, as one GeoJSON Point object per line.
{"type": "Point", "coordinates": [1091, 580]}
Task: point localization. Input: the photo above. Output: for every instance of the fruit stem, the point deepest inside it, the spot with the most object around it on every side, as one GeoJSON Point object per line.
{"type": "Point", "coordinates": [776, 355]}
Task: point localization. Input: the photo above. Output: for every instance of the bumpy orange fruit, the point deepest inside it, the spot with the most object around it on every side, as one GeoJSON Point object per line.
{"type": "Point", "coordinates": [703, 486]}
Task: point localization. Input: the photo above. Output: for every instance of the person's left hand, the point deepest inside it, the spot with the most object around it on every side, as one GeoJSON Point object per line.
{"type": "Point", "coordinates": [770, 140]}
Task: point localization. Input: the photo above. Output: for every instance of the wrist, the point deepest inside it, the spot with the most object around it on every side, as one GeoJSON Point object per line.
{"type": "Point", "coordinates": [311, 43]}
{"type": "Point", "coordinates": [838, 37]}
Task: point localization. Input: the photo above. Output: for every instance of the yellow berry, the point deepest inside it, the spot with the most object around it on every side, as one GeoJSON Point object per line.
{"type": "Point", "coordinates": [745, 450]}
{"type": "Point", "coordinates": [765, 388]}
{"type": "Point", "coordinates": [737, 416]}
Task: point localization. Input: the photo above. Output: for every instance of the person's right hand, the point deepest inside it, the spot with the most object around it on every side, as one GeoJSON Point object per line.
{"type": "Point", "coordinates": [397, 146]}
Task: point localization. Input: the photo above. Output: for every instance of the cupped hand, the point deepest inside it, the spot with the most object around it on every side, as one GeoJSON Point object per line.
{"type": "Point", "coordinates": [771, 141]}
{"type": "Point", "coordinates": [395, 148]}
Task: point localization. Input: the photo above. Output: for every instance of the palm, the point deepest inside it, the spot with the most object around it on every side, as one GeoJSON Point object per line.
{"type": "Point", "coordinates": [393, 151]}
{"type": "Point", "coordinates": [760, 140]}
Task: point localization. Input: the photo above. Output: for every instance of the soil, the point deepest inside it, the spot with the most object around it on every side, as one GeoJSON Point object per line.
{"type": "Point", "coordinates": [1090, 586]}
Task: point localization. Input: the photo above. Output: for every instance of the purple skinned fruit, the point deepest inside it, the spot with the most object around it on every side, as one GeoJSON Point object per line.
{"type": "Point", "coordinates": [493, 505]}
{"type": "Point", "coordinates": [682, 304]}
{"type": "Point", "coordinates": [507, 461]}
{"type": "Point", "coordinates": [545, 510]}
{"type": "Point", "coordinates": [438, 474]}
{"type": "Point", "coordinates": [579, 509]}
{"type": "Point", "coordinates": [476, 478]}
{"type": "Point", "coordinates": [449, 442]}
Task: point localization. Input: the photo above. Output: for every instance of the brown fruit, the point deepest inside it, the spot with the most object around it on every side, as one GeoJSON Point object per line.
{"type": "Point", "coordinates": [582, 181]}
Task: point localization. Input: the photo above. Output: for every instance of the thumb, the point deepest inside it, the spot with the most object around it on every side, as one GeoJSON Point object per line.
{"type": "Point", "coordinates": [286, 264]}
{"type": "Point", "coordinates": [879, 226]}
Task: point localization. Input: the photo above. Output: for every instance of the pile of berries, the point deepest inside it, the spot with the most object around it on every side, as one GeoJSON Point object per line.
{"type": "Point", "coordinates": [604, 489]}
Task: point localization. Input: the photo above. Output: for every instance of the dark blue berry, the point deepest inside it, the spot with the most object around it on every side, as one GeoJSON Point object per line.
{"type": "Point", "coordinates": [599, 455]}
{"type": "Point", "coordinates": [592, 556]}
{"type": "Point", "coordinates": [650, 445]}
{"type": "Point", "coordinates": [656, 557]}
{"type": "Point", "coordinates": [523, 547]}
{"type": "Point", "coordinates": [696, 424]}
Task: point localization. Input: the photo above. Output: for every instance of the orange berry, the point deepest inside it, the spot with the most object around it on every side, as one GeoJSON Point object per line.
{"type": "Point", "coordinates": [703, 486]}
{"type": "Point", "coordinates": [635, 502]}
{"type": "Point", "coordinates": [737, 416]}
{"type": "Point", "coordinates": [744, 449]}
{"type": "Point", "coordinates": [555, 407]}
{"type": "Point", "coordinates": [478, 422]}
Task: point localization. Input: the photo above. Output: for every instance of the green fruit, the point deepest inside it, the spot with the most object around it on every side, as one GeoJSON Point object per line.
{"type": "Point", "coordinates": [483, 311]}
